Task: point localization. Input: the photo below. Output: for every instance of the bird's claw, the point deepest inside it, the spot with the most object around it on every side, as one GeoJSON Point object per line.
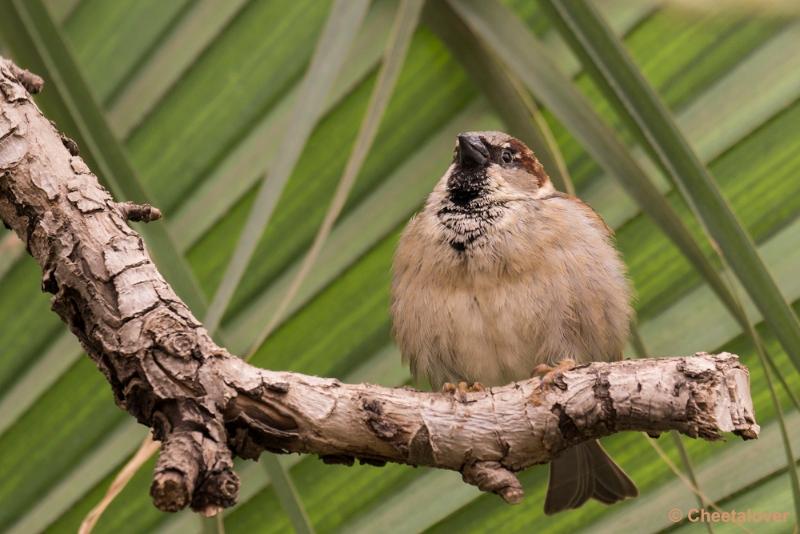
{"type": "Point", "coordinates": [461, 389]}
{"type": "Point", "coordinates": [548, 373]}
{"type": "Point", "coordinates": [541, 370]}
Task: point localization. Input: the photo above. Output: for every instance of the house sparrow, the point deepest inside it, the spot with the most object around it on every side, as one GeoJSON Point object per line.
{"type": "Point", "coordinates": [499, 274]}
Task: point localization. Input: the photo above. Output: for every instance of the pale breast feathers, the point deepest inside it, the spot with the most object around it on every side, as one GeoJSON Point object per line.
{"type": "Point", "coordinates": [547, 285]}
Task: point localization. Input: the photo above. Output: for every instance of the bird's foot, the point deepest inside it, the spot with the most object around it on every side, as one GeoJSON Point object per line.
{"type": "Point", "coordinates": [461, 389]}
{"type": "Point", "coordinates": [548, 373]}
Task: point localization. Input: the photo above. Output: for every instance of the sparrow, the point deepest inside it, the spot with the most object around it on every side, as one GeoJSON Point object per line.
{"type": "Point", "coordinates": [500, 274]}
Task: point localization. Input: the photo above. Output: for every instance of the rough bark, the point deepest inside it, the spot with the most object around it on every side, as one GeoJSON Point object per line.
{"type": "Point", "coordinates": [206, 405]}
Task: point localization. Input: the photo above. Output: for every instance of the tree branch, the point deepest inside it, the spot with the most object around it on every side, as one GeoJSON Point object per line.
{"type": "Point", "coordinates": [206, 405]}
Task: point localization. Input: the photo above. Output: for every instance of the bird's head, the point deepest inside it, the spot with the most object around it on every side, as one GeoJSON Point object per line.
{"type": "Point", "coordinates": [494, 179]}
{"type": "Point", "coordinates": [493, 166]}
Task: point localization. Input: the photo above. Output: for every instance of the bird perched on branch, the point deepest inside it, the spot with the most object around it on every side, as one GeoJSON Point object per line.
{"type": "Point", "coordinates": [501, 274]}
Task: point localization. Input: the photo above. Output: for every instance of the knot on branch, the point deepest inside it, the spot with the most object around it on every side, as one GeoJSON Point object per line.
{"type": "Point", "coordinates": [131, 211]}
{"type": "Point", "coordinates": [32, 83]}
{"type": "Point", "coordinates": [258, 424]}
{"type": "Point", "coordinates": [177, 471]}
{"type": "Point", "coordinates": [70, 145]}
{"type": "Point", "coordinates": [493, 477]}
{"type": "Point", "coordinates": [170, 333]}
{"type": "Point", "coordinates": [194, 470]}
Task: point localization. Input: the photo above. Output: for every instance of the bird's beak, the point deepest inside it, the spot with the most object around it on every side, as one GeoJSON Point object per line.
{"type": "Point", "coordinates": [471, 151]}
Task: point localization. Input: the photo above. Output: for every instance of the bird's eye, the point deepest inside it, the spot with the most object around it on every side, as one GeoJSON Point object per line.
{"type": "Point", "coordinates": [506, 156]}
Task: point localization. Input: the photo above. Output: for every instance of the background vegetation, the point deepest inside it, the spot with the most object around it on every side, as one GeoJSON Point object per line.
{"type": "Point", "coordinates": [350, 108]}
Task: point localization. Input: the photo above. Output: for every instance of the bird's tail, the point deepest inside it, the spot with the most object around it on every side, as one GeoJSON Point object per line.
{"type": "Point", "coordinates": [582, 472]}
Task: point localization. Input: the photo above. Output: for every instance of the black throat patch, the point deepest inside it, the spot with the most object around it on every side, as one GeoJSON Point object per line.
{"type": "Point", "coordinates": [467, 219]}
{"type": "Point", "coordinates": [465, 186]}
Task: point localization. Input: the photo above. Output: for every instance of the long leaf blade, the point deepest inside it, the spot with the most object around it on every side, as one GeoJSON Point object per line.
{"type": "Point", "coordinates": [288, 496]}
{"type": "Point", "coordinates": [196, 29]}
{"type": "Point", "coordinates": [402, 31]}
{"type": "Point", "coordinates": [610, 65]}
{"type": "Point", "coordinates": [337, 36]}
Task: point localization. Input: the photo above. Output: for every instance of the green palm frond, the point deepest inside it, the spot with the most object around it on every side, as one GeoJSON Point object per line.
{"type": "Point", "coordinates": [189, 103]}
{"type": "Point", "coordinates": [336, 39]}
{"type": "Point", "coordinates": [612, 68]}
